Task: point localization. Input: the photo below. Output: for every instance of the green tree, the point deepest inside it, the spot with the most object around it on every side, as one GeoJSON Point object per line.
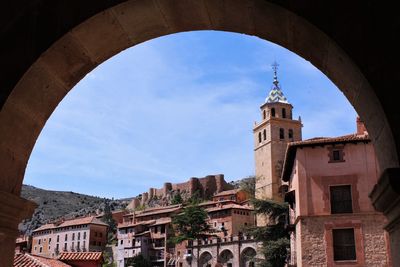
{"type": "Point", "coordinates": [108, 219]}
{"type": "Point", "coordinates": [190, 224]}
{"type": "Point", "coordinates": [248, 185]}
{"type": "Point", "coordinates": [177, 199]}
{"type": "Point", "coordinates": [195, 198]}
{"type": "Point", "coordinates": [138, 261]}
{"type": "Point", "coordinates": [274, 236]}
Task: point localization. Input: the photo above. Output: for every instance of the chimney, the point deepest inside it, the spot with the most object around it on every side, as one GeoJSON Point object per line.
{"type": "Point", "coordinates": [361, 130]}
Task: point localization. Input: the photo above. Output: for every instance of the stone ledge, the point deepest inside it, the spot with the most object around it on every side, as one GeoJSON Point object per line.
{"type": "Point", "coordinates": [385, 197]}
{"type": "Point", "coordinates": [13, 209]}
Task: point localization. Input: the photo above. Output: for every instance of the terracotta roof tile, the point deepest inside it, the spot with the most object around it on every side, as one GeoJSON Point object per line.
{"type": "Point", "coordinates": [330, 140]}
{"type": "Point", "coordinates": [230, 206]}
{"type": "Point", "coordinates": [72, 222]}
{"type": "Point", "coordinates": [80, 256]}
{"type": "Point", "coordinates": [227, 192]}
{"type": "Point", "coordinates": [159, 211]}
{"type": "Point", "coordinates": [46, 226]}
{"type": "Point", "coordinates": [27, 260]}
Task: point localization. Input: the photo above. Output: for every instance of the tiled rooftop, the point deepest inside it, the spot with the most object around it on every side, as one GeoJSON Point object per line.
{"type": "Point", "coordinates": [72, 222]}
{"type": "Point", "coordinates": [230, 206]}
{"type": "Point", "coordinates": [330, 140]}
{"type": "Point", "coordinates": [80, 256]}
{"type": "Point", "coordinates": [158, 211]}
{"type": "Point", "coordinates": [227, 192]}
{"type": "Point", "coordinates": [27, 260]}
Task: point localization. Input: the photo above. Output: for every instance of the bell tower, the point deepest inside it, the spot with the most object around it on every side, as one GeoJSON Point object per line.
{"type": "Point", "coordinates": [271, 136]}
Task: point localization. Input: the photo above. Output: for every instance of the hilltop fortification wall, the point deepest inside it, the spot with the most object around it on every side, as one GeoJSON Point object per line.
{"type": "Point", "coordinates": [205, 187]}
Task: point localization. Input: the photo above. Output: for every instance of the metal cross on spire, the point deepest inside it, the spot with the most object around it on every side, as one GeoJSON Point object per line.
{"type": "Point", "coordinates": [275, 68]}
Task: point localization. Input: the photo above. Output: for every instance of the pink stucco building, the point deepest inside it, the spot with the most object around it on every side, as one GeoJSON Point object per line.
{"type": "Point", "coordinates": [76, 235]}
{"type": "Point", "coordinates": [333, 221]}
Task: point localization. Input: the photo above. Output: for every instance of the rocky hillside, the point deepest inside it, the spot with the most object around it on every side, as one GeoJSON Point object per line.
{"type": "Point", "coordinates": [56, 204]}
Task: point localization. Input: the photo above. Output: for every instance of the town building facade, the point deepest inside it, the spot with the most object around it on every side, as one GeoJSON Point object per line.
{"type": "Point", "coordinates": [147, 232]}
{"type": "Point", "coordinates": [76, 235]}
{"type": "Point", "coordinates": [333, 221]}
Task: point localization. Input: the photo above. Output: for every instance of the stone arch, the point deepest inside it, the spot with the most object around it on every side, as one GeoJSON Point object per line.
{"type": "Point", "coordinates": [247, 257]}
{"type": "Point", "coordinates": [226, 257]}
{"type": "Point", "coordinates": [205, 259]}
{"type": "Point", "coordinates": [110, 30]}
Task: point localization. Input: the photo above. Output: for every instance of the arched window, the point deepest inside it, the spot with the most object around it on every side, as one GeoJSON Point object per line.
{"type": "Point", "coordinates": [281, 133]}
{"type": "Point", "coordinates": [273, 112]}
{"type": "Point", "coordinates": [265, 134]}
{"type": "Point", "coordinates": [264, 114]}
{"type": "Point", "coordinates": [283, 113]}
{"type": "Point", "coordinates": [259, 137]}
{"type": "Point", "coordinates": [290, 134]}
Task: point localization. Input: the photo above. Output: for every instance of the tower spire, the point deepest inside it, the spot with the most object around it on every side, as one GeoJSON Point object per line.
{"type": "Point", "coordinates": [276, 94]}
{"type": "Point", "coordinates": [275, 68]}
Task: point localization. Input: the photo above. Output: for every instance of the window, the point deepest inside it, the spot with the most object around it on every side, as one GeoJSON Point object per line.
{"type": "Point", "coordinates": [162, 229]}
{"type": "Point", "coordinates": [344, 247]}
{"type": "Point", "coordinates": [272, 112]}
{"type": "Point", "coordinates": [336, 154]}
{"type": "Point", "coordinates": [251, 264]}
{"type": "Point", "coordinates": [122, 242]}
{"type": "Point", "coordinates": [57, 247]}
{"type": "Point", "coordinates": [58, 238]}
{"type": "Point", "coordinates": [155, 229]}
{"type": "Point", "coordinates": [79, 245]}
{"type": "Point", "coordinates": [73, 236]}
{"type": "Point", "coordinates": [229, 264]}
{"type": "Point", "coordinates": [40, 250]}
{"type": "Point", "coordinates": [259, 137]}
{"type": "Point", "coordinates": [281, 133]}
{"type": "Point", "coordinates": [84, 235]}
{"type": "Point", "coordinates": [284, 113]}
{"type": "Point", "coordinates": [265, 134]}
{"type": "Point", "coordinates": [264, 115]}
{"type": "Point", "coordinates": [290, 135]}
{"type": "Point", "coordinates": [79, 236]}
{"type": "Point", "coordinates": [101, 234]}
{"type": "Point", "coordinates": [66, 237]}
{"type": "Point", "coordinates": [40, 241]}
{"type": "Point", "coordinates": [341, 199]}
{"type": "Point", "coordinates": [65, 246]}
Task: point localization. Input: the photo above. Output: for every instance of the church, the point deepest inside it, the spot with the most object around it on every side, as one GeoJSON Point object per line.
{"type": "Point", "coordinates": [326, 181]}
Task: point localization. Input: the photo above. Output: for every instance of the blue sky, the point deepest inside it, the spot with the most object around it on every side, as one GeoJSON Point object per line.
{"type": "Point", "coordinates": [176, 107]}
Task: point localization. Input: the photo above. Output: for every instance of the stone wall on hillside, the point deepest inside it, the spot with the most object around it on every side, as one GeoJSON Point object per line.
{"type": "Point", "coordinates": [206, 187]}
